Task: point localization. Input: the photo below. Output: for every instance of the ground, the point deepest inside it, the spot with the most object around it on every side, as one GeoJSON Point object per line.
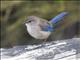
{"type": "Point", "coordinates": [68, 49]}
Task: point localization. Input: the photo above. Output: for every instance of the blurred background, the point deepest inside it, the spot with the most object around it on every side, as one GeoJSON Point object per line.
{"type": "Point", "coordinates": [13, 14]}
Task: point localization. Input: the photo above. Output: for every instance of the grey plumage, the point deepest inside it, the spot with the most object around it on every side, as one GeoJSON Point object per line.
{"type": "Point", "coordinates": [35, 27]}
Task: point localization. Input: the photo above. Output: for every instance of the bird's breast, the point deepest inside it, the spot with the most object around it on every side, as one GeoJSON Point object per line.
{"type": "Point", "coordinates": [36, 32]}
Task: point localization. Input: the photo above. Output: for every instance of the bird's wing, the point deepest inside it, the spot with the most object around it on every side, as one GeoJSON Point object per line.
{"type": "Point", "coordinates": [45, 25]}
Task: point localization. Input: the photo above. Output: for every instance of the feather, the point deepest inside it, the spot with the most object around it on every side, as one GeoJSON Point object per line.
{"type": "Point", "coordinates": [58, 17]}
{"type": "Point", "coordinates": [45, 25]}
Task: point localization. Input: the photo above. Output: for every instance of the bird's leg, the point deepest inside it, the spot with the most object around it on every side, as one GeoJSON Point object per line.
{"type": "Point", "coordinates": [44, 42]}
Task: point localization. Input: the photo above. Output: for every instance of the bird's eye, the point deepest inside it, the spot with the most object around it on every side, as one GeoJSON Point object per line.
{"type": "Point", "coordinates": [29, 21]}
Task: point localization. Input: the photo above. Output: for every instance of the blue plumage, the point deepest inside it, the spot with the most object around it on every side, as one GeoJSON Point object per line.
{"type": "Point", "coordinates": [48, 27]}
{"type": "Point", "coordinates": [58, 17]}
{"type": "Point", "coordinates": [54, 20]}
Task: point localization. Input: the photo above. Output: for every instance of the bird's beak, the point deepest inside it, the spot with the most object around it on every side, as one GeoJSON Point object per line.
{"type": "Point", "coordinates": [24, 23]}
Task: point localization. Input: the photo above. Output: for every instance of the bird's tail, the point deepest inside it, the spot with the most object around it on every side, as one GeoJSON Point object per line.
{"type": "Point", "coordinates": [58, 17]}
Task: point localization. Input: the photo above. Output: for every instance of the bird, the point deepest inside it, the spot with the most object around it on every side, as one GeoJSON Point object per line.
{"type": "Point", "coordinates": [40, 28]}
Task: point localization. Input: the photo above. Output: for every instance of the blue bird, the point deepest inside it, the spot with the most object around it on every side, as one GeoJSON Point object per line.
{"type": "Point", "coordinates": [40, 28]}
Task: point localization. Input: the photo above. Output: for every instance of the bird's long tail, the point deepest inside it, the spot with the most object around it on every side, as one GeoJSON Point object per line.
{"type": "Point", "coordinates": [58, 17]}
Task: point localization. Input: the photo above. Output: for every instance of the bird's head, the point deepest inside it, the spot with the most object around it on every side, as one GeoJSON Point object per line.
{"type": "Point", "coordinates": [31, 20]}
